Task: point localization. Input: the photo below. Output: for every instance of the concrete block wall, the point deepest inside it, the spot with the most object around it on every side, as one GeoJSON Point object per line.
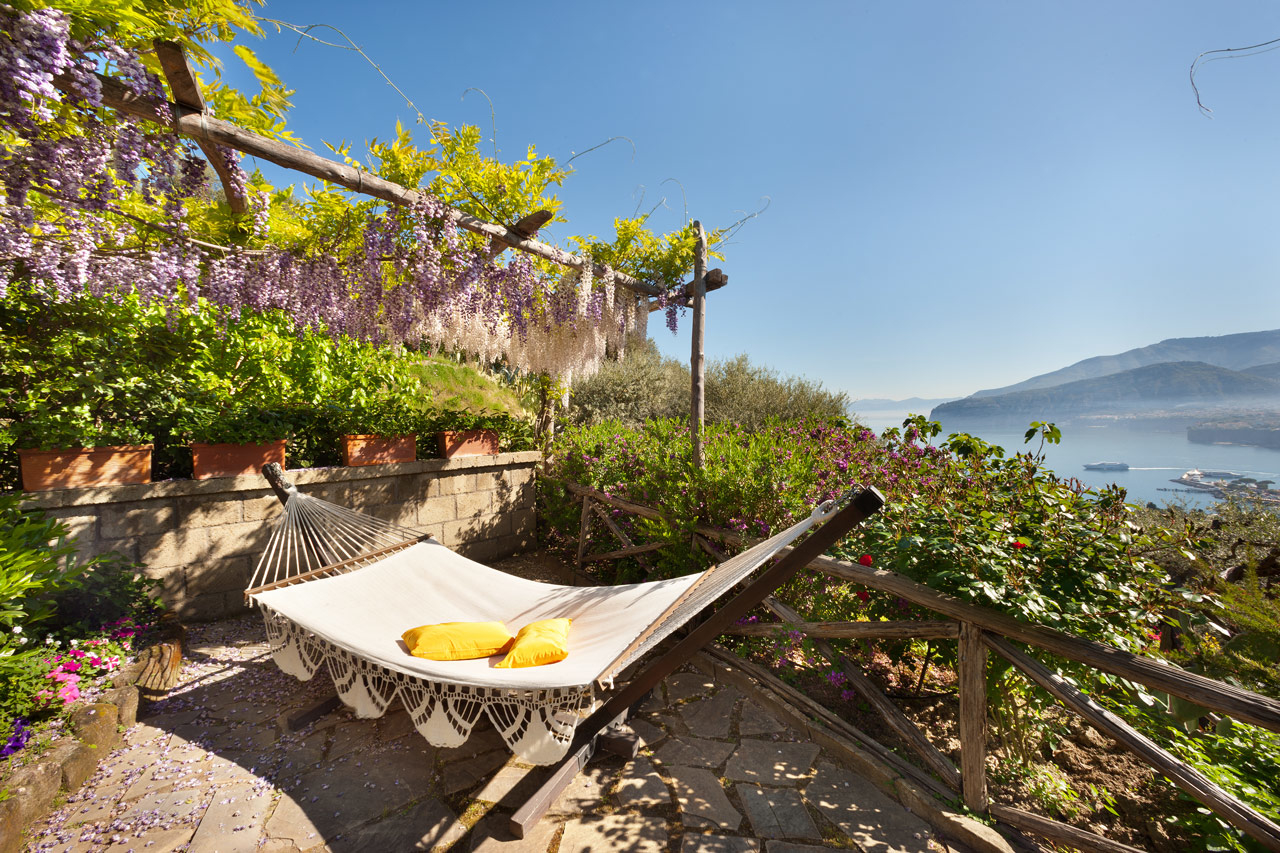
{"type": "Point", "coordinates": [202, 538]}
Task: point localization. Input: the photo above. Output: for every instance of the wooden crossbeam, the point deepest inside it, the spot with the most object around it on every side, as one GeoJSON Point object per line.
{"type": "Point", "coordinates": [186, 91]}
{"type": "Point", "coordinates": [904, 630]}
{"type": "Point", "coordinates": [632, 551]}
{"type": "Point", "coordinates": [1058, 833]}
{"type": "Point", "coordinates": [889, 712]}
{"type": "Point", "coordinates": [622, 537]}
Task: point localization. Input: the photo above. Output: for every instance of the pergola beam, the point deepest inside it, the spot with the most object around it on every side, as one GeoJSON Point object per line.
{"type": "Point", "coordinates": [204, 128]}
{"type": "Point", "coordinates": [186, 91]}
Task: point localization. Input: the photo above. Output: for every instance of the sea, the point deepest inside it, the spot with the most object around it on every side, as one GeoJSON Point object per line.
{"type": "Point", "coordinates": [1155, 455]}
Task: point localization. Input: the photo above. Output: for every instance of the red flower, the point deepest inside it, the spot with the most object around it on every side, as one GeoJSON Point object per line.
{"type": "Point", "coordinates": [1019, 545]}
{"type": "Point", "coordinates": [865, 559]}
{"type": "Point", "coordinates": [863, 595]}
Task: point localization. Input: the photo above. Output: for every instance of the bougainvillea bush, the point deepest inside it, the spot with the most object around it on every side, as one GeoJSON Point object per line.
{"type": "Point", "coordinates": [65, 622]}
{"type": "Point", "coordinates": [963, 517]}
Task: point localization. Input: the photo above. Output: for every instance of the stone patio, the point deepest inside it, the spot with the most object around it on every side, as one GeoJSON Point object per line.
{"type": "Point", "coordinates": [212, 768]}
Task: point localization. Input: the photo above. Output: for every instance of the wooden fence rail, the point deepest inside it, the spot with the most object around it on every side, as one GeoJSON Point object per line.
{"type": "Point", "coordinates": [978, 629]}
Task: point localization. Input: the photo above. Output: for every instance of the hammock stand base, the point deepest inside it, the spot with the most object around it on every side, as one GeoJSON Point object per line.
{"type": "Point", "coordinates": [615, 711]}
{"type": "Point", "coordinates": [604, 728]}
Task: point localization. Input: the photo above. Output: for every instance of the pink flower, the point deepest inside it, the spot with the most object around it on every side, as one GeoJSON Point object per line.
{"type": "Point", "coordinates": [77, 653]}
{"type": "Point", "coordinates": [69, 693]}
{"type": "Point", "coordinates": [96, 661]}
{"type": "Point", "coordinates": [71, 666]}
{"type": "Point", "coordinates": [865, 560]}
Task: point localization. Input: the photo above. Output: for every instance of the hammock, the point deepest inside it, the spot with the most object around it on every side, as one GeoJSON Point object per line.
{"type": "Point", "coordinates": [338, 587]}
{"type": "Point", "coordinates": [349, 615]}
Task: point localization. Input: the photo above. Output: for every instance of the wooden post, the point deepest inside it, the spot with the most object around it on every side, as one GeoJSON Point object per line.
{"type": "Point", "coordinates": [973, 717]}
{"type": "Point", "coordinates": [697, 361]}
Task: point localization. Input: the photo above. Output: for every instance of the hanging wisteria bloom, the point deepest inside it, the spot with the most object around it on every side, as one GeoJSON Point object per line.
{"type": "Point", "coordinates": [410, 276]}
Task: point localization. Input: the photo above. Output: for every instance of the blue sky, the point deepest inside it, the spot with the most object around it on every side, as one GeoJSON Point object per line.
{"type": "Point", "coordinates": [960, 196]}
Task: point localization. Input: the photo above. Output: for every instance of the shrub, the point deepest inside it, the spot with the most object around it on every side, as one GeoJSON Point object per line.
{"type": "Point", "coordinates": [644, 386]}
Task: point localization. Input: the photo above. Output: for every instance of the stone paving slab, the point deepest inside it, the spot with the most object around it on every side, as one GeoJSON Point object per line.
{"type": "Point", "coordinates": [641, 785]}
{"type": "Point", "coordinates": [865, 814]}
{"type": "Point", "coordinates": [693, 752]}
{"type": "Point", "coordinates": [689, 685]}
{"type": "Point", "coordinates": [630, 833]}
{"type": "Point", "coordinates": [429, 825]}
{"type": "Point", "coordinates": [771, 762]}
{"type": "Point", "coordinates": [234, 821]}
{"type": "Point", "coordinates": [695, 843]}
{"type": "Point", "coordinates": [711, 717]}
{"type": "Point", "coordinates": [776, 812]}
{"type": "Point", "coordinates": [757, 721]}
{"type": "Point", "coordinates": [649, 733]}
{"type": "Point", "coordinates": [703, 802]}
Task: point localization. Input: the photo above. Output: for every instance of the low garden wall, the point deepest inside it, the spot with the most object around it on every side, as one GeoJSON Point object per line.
{"type": "Point", "coordinates": [202, 538]}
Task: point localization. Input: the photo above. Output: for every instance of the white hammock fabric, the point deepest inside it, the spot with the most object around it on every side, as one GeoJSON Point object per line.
{"type": "Point", "coordinates": [353, 621]}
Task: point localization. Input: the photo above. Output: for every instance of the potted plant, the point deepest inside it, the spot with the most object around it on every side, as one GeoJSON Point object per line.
{"type": "Point", "coordinates": [236, 440]}
{"type": "Point", "coordinates": [70, 449]}
{"type": "Point", "coordinates": [466, 434]}
{"type": "Point", "coordinates": [377, 432]}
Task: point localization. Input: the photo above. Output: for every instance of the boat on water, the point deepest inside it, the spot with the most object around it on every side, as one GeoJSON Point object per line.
{"type": "Point", "coordinates": [1225, 475]}
{"type": "Point", "coordinates": [1106, 466]}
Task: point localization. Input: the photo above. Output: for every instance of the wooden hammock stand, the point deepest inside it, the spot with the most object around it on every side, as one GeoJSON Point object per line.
{"type": "Point", "coordinates": [978, 630]}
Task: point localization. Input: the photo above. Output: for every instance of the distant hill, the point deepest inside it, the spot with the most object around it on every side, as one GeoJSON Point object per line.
{"type": "Point", "coordinates": [1266, 371]}
{"type": "Point", "coordinates": [1143, 388]}
{"type": "Point", "coordinates": [1235, 352]}
{"type": "Point", "coordinates": [914, 404]}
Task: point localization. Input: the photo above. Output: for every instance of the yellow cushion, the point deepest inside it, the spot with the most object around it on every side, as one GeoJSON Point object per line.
{"type": "Point", "coordinates": [458, 640]}
{"type": "Point", "coordinates": [538, 643]}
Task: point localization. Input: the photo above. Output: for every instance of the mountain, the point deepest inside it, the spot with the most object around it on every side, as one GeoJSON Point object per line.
{"type": "Point", "coordinates": [912, 404]}
{"type": "Point", "coordinates": [1266, 371]}
{"type": "Point", "coordinates": [1144, 388]}
{"type": "Point", "coordinates": [1234, 352]}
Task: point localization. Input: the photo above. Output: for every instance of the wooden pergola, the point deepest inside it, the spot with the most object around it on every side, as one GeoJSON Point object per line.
{"type": "Point", "coordinates": [187, 116]}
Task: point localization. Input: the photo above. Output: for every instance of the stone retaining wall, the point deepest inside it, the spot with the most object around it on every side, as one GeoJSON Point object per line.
{"type": "Point", "coordinates": [203, 537]}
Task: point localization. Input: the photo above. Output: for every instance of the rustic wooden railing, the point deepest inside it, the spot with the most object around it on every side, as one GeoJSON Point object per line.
{"type": "Point", "coordinates": [979, 631]}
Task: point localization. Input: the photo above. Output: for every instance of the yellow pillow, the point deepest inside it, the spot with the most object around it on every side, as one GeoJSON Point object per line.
{"type": "Point", "coordinates": [538, 643]}
{"type": "Point", "coordinates": [458, 640]}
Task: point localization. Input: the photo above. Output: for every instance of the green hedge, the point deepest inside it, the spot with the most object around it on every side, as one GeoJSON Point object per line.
{"type": "Point", "coordinates": [96, 372]}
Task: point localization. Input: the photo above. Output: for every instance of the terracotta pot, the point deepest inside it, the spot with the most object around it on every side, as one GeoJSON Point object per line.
{"type": "Point", "coordinates": [378, 449]}
{"type": "Point", "coordinates": [233, 460]}
{"type": "Point", "coordinates": [81, 467]}
{"type": "Point", "coordinates": [470, 442]}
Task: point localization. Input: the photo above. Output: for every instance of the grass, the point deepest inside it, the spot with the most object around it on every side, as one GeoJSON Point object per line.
{"type": "Point", "coordinates": [457, 385]}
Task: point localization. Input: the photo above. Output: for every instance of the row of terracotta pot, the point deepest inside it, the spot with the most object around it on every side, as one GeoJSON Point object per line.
{"type": "Point", "coordinates": [75, 468]}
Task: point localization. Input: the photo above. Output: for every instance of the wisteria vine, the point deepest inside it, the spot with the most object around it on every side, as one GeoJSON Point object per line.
{"type": "Point", "coordinates": [72, 175]}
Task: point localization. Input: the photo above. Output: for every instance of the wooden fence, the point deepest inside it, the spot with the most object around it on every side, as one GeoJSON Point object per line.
{"type": "Point", "coordinates": [979, 631]}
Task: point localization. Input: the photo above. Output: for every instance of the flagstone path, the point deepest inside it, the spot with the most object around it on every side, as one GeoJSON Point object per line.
{"type": "Point", "coordinates": [212, 768]}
